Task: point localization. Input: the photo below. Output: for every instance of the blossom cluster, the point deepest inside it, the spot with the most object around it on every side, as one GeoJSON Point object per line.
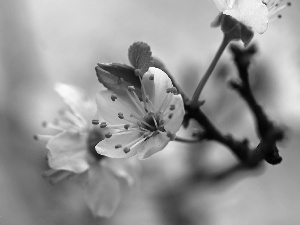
{"type": "Point", "coordinates": [136, 114]}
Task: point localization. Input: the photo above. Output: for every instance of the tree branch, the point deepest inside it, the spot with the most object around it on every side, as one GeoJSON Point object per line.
{"type": "Point", "coordinates": [268, 132]}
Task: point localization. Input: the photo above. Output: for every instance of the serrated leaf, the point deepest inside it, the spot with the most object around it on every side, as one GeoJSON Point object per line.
{"type": "Point", "coordinates": [117, 77]}
{"type": "Point", "coordinates": [140, 56]}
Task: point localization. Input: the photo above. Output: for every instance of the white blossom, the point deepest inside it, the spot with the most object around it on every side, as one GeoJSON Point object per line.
{"type": "Point", "coordinates": [142, 126]}
{"type": "Point", "coordinates": [255, 14]}
{"type": "Point", "coordinates": [72, 153]}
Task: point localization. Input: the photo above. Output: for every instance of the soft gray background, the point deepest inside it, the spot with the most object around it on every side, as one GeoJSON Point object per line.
{"type": "Point", "coordinates": [47, 41]}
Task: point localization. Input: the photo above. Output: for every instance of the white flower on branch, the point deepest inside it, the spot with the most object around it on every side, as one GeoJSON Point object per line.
{"type": "Point", "coordinates": [72, 153]}
{"type": "Point", "coordinates": [143, 125]}
{"type": "Point", "coordinates": [255, 14]}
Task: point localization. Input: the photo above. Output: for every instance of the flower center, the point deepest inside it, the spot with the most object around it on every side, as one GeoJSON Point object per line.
{"type": "Point", "coordinates": [152, 122]}
{"type": "Point", "coordinates": [145, 119]}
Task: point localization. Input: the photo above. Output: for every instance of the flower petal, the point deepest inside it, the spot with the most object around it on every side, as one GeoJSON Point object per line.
{"type": "Point", "coordinates": [107, 146]}
{"type": "Point", "coordinates": [124, 169]}
{"type": "Point", "coordinates": [109, 109]}
{"type": "Point", "coordinates": [156, 89]}
{"type": "Point", "coordinates": [251, 13]}
{"type": "Point", "coordinates": [175, 122]}
{"type": "Point", "coordinates": [102, 191]}
{"type": "Point", "coordinates": [222, 4]}
{"type": "Point", "coordinates": [80, 104]}
{"type": "Point", "coordinates": [68, 151]}
{"type": "Point", "coordinates": [153, 145]}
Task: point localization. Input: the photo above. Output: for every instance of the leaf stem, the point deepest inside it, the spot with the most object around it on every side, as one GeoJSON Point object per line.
{"type": "Point", "coordinates": [194, 101]}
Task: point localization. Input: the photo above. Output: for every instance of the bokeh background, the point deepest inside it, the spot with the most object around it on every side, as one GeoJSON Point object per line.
{"type": "Point", "coordinates": [48, 41]}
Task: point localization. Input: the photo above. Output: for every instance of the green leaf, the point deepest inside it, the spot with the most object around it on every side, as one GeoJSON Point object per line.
{"type": "Point", "coordinates": [140, 56]}
{"type": "Point", "coordinates": [117, 77]}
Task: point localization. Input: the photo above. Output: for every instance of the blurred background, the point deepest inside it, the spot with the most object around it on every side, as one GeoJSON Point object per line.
{"type": "Point", "coordinates": [49, 41]}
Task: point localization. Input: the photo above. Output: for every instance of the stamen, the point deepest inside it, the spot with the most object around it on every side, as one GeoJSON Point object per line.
{"type": "Point", "coordinates": [168, 90]}
{"type": "Point", "coordinates": [143, 91]}
{"type": "Point", "coordinates": [103, 125]}
{"type": "Point", "coordinates": [138, 72]}
{"type": "Point", "coordinates": [126, 126]}
{"type": "Point", "coordinates": [113, 97]}
{"type": "Point", "coordinates": [276, 7]}
{"type": "Point", "coordinates": [172, 107]}
{"type": "Point", "coordinates": [151, 77]}
{"type": "Point", "coordinates": [131, 88]}
{"type": "Point", "coordinates": [129, 145]}
{"type": "Point", "coordinates": [276, 10]}
{"type": "Point", "coordinates": [108, 135]}
{"type": "Point", "coordinates": [133, 129]}
{"type": "Point", "coordinates": [95, 122]}
{"type": "Point", "coordinates": [130, 121]}
{"type": "Point", "coordinates": [143, 129]}
{"type": "Point", "coordinates": [142, 121]}
{"type": "Point", "coordinates": [135, 99]}
{"type": "Point", "coordinates": [116, 126]}
{"type": "Point", "coordinates": [65, 125]}
{"type": "Point", "coordinates": [151, 106]}
{"type": "Point", "coordinates": [74, 118]}
{"type": "Point", "coordinates": [172, 90]}
{"type": "Point", "coordinates": [39, 137]}
{"type": "Point", "coordinates": [140, 141]}
{"type": "Point", "coordinates": [126, 150]}
{"type": "Point", "coordinates": [130, 108]}
{"type": "Point", "coordinates": [120, 115]}
{"type": "Point", "coordinates": [136, 142]}
{"type": "Point", "coordinates": [52, 126]}
{"type": "Point", "coordinates": [155, 122]}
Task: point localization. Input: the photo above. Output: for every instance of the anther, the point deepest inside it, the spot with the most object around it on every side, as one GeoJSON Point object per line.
{"type": "Point", "coordinates": [172, 107]}
{"type": "Point", "coordinates": [131, 88]}
{"type": "Point", "coordinates": [108, 135]}
{"type": "Point", "coordinates": [138, 72]}
{"type": "Point", "coordinates": [126, 126]}
{"type": "Point", "coordinates": [120, 115]}
{"type": "Point", "coordinates": [113, 97]}
{"type": "Point", "coordinates": [95, 122]}
{"type": "Point", "coordinates": [151, 77]}
{"type": "Point", "coordinates": [118, 146]}
{"type": "Point", "coordinates": [279, 16]}
{"type": "Point", "coordinates": [126, 150]}
{"type": "Point", "coordinates": [103, 125]}
{"type": "Point", "coordinates": [170, 115]}
{"type": "Point", "coordinates": [289, 4]}
{"type": "Point", "coordinates": [174, 90]}
{"type": "Point", "coordinates": [35, 137]}
{"type": "Point", "coordinates": [169, 90]}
